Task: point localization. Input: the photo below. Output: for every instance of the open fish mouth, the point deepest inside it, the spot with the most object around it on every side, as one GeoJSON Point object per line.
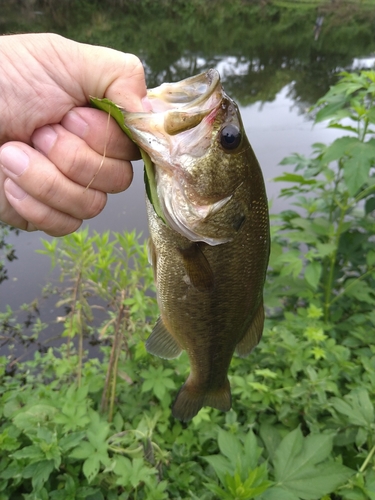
{"type": "Point", "coordinates": [189, 93]}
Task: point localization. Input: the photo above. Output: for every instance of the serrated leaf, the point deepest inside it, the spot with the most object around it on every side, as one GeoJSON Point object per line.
{"type": "Point", "coordinates": [84, 450]}
{"type": "Point", "coordinates": [339, 148]}
{"type": "Point", "coordinates": [91, 467]}
{"type": "Point", "coordinates": [270, 437]}
{"type": "Point", "coordinates": [39, 472]}
{"type": "Point", "coordinates": [335, 103]}
{"type": "Point", "coordinates": [221, 466]}
{"type": "Point", "coordinates": [357, 407]}
{"type": "Point", "coordinates": [251, 453]}
{"type": "Point", "coordinates": [229, 445]}
{"type": "Point", "coordinates": [298, 466]}
{"type": "Point", "coordinates": [278, 493]}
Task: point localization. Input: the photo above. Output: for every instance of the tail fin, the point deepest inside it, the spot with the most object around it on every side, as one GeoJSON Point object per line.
{"type": "Point", "coordinates": [190, 399]}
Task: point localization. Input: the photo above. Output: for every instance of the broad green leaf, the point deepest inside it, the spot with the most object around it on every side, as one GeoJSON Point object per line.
{"type": "Point", "coordinates": [270, 437]}
{"type": "Point", "coordinates": [229, 445]}
{"type": "Point", "coordinates": [313, 273]}
{"type": "Point", "coordinates": [83, 450]}
{"type": "Point", "coordinates": [339, 148]}
{"type": "Point", "coordinates": [278, 493]}
{"type": "Point", "coordinates": [250, 456]}
{"type": "Point", "coordinates": [39, 472]}
{"type": "Point", "coordinates": [357, 407]}
{"type": "Point", "coordinates": [298, 466]}
{"type": "Point", "coordinates": [356, 172]}
{"type": "Point", "coordinates": [335, 103]}
{"type": "Point", "coordinates": [32, 452]}
{"type": "Point", "coordinates": [91, 467]}
{"type": "Point", "coordinates": [140, 472]}
{"type": "Point", "coordinates": [221, 466]}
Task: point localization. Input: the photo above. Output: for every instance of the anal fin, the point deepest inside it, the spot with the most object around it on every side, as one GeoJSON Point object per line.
{"type": "Point", "coordinates": [161, 343]}
{"type": "Point", "coordinates": [197, 267]}
{"type": "Point", "coordinates": [253, 334]}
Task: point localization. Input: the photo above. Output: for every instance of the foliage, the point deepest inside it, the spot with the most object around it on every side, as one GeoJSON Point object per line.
{"type": "Point", "coordinates": [261, 45]}
{"type": "Point", "coordinates": [302, 425]}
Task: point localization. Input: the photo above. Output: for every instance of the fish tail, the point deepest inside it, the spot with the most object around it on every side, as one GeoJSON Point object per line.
{"type": "Point", "coordinates": [190, 399]}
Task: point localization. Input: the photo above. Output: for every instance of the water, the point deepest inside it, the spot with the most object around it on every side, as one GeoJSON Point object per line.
{"type": "Point", "coordinates": [272, 63]}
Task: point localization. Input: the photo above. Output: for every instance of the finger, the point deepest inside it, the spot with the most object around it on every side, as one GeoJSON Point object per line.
{"type": "Point", "coordinates": [7, 213]}
{"type": "Point", "coordinates": [78, 162]}
{"type": "Point", "coordinates": [38, 177]}
{"type": "Point", "coordinates": [100, 134]}
{"type": "Point", "coordinates": [30, 214]}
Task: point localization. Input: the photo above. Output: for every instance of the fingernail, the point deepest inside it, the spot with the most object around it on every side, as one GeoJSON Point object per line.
{"type": "Point", "coordinates": [14, 190]}
{"type": "Point", "coordinates": [43, 139]}
{"type": "Point", "coordinates": [13, 160]}
{"type": "Point", "coordinates": [75, 124]}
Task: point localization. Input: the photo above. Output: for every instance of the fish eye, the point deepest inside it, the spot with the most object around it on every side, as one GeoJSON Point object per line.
{"type": "Point", "coordinates": [230, 137]}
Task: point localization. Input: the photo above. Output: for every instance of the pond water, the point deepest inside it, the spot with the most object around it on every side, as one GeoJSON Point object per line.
{"type": "Point", "coordinates": [275, 58]}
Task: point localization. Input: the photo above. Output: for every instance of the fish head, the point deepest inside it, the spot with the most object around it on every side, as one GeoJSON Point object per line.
{"type": "Point", "coordinates": [195, 138]}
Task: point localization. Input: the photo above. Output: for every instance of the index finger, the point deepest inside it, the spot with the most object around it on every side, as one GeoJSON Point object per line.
{"type": "Point", "coordinates": [101, 133]}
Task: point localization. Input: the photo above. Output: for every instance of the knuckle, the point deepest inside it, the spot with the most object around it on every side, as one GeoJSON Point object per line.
{"type": "Point", "coordinates": [95, 205]}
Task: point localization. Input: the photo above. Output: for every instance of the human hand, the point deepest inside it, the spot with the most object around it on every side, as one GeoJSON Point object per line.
{"type": "Point", "coordinates": [52, 146]}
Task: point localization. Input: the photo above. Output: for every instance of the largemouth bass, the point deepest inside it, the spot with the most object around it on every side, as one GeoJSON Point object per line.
{"type": "Point", "coordinates": [209, 227]}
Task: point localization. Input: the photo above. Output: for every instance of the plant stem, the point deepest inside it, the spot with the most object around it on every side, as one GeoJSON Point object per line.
{"type": "Point", "coordinates": [72, 312]}
{"type": "Point", "coordinates": [328, 290]}
{"type": "Point", "coordinates": [368, 458]}
{"type": "Point", "coordinates": [351, 285]}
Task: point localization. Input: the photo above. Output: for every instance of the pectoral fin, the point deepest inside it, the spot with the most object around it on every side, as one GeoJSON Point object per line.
{"type": "Point", "coordinates": [161, 343]}
{"type": "Point", "coordinates": [197, 267]}
{"type": "Point", "coordinates": [253, 334]}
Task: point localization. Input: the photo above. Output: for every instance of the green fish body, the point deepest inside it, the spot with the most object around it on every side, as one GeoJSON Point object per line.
{"type": "Point", "coordinates": [209, 229]}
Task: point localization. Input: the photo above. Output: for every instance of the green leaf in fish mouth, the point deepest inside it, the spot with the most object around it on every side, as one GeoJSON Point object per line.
{"type": "Point", "coordinates": [150, 183]}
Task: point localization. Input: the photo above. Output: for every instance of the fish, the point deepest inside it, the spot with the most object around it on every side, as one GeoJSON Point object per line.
{"type": "Point", "coordinates": [209, 233]}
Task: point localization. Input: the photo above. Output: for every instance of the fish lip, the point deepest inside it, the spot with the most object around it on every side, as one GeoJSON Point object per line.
{"type": "Point", "coordinates": [197, 90]}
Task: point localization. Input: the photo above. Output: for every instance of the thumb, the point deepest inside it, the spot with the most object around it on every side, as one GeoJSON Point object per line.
{"type": "Point", "coordinates": [105, 72]}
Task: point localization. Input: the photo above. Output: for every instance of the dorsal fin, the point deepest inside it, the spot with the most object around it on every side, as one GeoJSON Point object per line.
{"type": "Point", "coordinates": [253, 334]}
{"type": "Point", "coordinates": [197, 267]}
{"type": "Point", "coordinates": [161, 343]}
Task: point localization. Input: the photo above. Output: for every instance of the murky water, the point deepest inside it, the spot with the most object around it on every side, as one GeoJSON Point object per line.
{"type": "Point", "coordinates": [275, 62]}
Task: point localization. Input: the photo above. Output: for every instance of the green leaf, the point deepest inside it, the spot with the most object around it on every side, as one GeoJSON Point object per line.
{"type": "Point", "coordinates": [278, 493]}
{"type": "Point", "coordinates": [91, 467]}
{"type": "Point", "coordinates": [140, 472]}
{"type": "Point", "coordinates": [339, 148]}
{"type": "Point", "coordinates": [294, 178]}
{"type": "Point", "coordinates": [298, 466]}
{"type": "Point", "coordinates": [333, 104]}
{"type": "Point", "coordinates": [84, 450]}
{"type": "Point", "coordinates": [39, 472]}
{"type": "Point", "coordinates": [357, 407]}
{"type": "Point", "coordinates": [221, 466]}
{"type": "Point", "coordinates": [313, 272]}
{"type": "Point", "coordinates": [229, 445]}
